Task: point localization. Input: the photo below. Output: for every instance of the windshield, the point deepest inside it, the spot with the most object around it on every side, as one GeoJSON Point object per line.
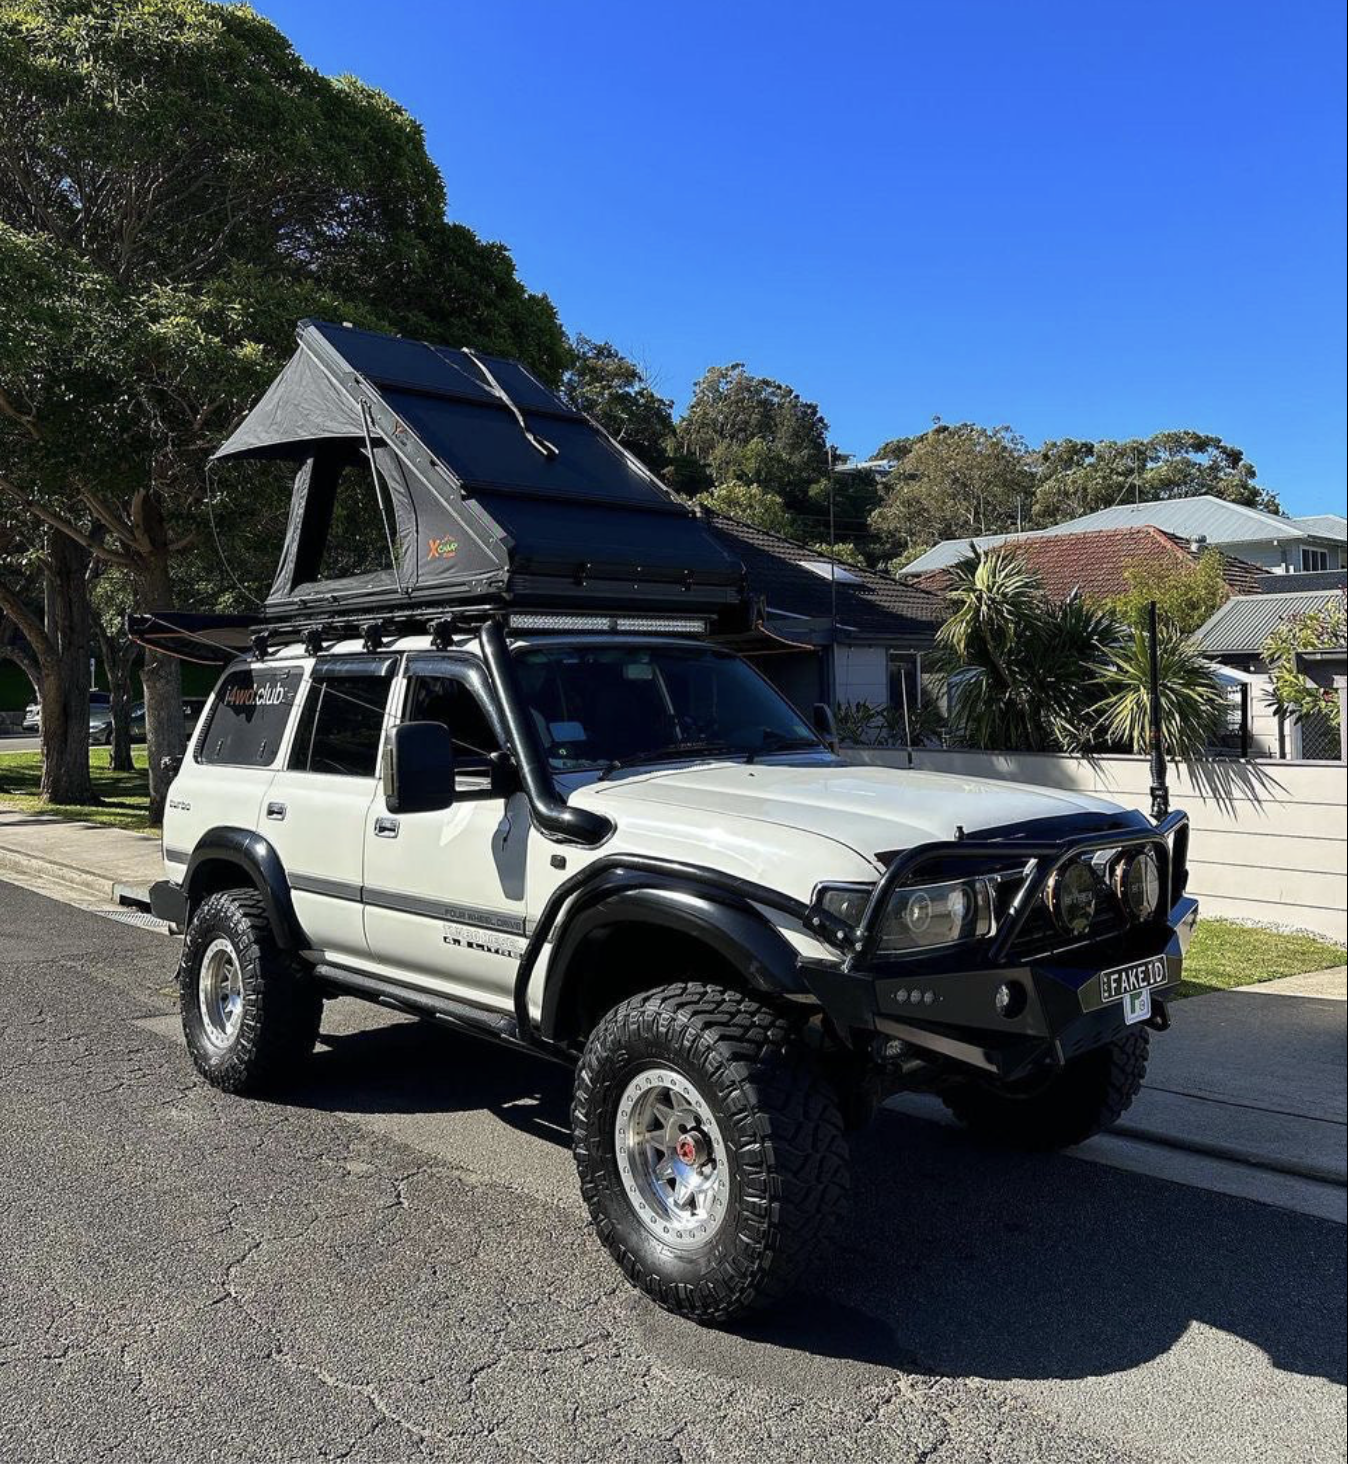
{"type": "Point", "coordinates": [605, 706]}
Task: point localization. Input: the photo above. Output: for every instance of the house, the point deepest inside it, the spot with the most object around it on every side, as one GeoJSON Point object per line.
{"type": "Point", "coordinates": [1285, 545]}
{"type": "Point", "coordinates": [1234, 637]}
{"type": "Point", "coordinates": [830, 631]}
{"type": "Point", "coordinates": [1096, 562]}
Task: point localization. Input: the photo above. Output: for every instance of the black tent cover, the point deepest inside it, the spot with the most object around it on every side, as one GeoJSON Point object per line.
{"type": "Point", "coordinates": [495, 492]}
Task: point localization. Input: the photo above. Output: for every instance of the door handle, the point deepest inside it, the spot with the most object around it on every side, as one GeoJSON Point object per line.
{"type": "Point", "coordinates": [385, 828]}
{"type": "Point", "coordinates": [276, 810]}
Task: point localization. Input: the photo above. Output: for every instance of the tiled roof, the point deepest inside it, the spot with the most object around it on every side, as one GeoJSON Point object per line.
{"type": "Point", "coordinates": [1203, 516]}
{"type": "Point", "coordinates": [1095, 562]}
{"type": "Point", "coordinates": [870, 603]}
{"type": "Point", "coordinates": [1245, 622]}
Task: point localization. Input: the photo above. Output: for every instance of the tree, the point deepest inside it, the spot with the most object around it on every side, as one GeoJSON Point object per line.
{"type": "Point", "coordinates": [177, 187]}
{"type": "Point", "coordinates": [749, 429]}
{"type": "Point", "coordinates": [1077, 477]}
{"type": "Point", "coordinates": [1193, 705]}
{"type": "Point", "coordinates": [1187, 592]}
{"type": "Point", "coordinates": [752, 504]}
{"type": "Point", "coordinates": [1291, 693]}
{"type": "Point", "coordinates": [955, 481]}
{"type": "Point", "coordinates": [620, 396]}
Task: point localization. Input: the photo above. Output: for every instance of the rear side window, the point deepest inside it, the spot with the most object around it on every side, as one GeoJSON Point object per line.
{"type": "Point", "coordinates": [340, 726]}
{"type": "Point", "coordinates": [248, 717]}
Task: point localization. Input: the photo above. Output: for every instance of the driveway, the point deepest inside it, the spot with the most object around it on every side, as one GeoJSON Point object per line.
{"type": "Point", "coordinates": [394, 1264]}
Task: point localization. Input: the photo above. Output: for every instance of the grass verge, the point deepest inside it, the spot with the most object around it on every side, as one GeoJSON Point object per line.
{"type": "Point", "coordinates": [123, 798]}
{"type": "Point", "coordinates": [1224, 954]}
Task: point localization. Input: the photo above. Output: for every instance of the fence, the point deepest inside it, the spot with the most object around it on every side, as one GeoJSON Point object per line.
{"type": "Point", "coordinates": [1270, 839]}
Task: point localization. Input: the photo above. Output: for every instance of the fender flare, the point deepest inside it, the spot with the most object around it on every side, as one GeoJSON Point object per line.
{"type": "Point", "coordinates": [721, 919]}
{"type": "Point", "coordinates": [258, 860]}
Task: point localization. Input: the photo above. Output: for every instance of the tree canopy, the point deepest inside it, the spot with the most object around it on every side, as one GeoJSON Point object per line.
{"type": "Point", "coordinates": [619, 395]}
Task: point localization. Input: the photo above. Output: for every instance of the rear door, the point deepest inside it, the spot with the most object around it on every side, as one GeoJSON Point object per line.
{"type": "Point", "coordinates": [317, 808]}
{"type": "Point", "coordinates": [444, 891]}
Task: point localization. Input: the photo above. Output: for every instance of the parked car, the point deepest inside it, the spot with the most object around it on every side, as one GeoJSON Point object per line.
{"type": "Point", "coordinates": [631, 854]}
{"type": "Point", "coordinates": [100, 722]}
{"type": "Point", "coordinates": [32, 717]}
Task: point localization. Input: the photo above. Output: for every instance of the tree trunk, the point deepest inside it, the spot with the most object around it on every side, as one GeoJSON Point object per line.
{"type": "Point", "coordinates": [165, 729]}
{"type": "Point", "coordinates": [64, 667]}
{"type": "Point", "coordinates": [118, 659]}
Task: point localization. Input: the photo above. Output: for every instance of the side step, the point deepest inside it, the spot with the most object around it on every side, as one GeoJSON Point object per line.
{"type": "Point", "coordinates": [462, 1015]}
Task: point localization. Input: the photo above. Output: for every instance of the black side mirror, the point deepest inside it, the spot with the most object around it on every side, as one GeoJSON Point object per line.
{"type": "Point", "coordinates": [824, 724]}
{"type": "Point", "coordinates": [419, 768]}
{"type": "Point", "coordinates": [505, 777]}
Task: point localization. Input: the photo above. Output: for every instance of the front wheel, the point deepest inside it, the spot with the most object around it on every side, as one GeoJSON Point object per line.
{"type": "Point", "coordinates": [1056, 1111]}
{"type": "Point", "coordinates": [710, 1153]}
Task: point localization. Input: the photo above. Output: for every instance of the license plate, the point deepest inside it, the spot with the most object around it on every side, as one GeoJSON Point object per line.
{"type": "Point", "coordinates": [1122, 983]}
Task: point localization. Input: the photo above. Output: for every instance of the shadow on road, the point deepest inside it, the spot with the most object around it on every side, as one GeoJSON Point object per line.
{"type": "Point", "coordinates": [958, 1260]}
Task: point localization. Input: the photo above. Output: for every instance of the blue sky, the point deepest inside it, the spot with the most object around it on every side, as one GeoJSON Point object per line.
{"type": "Point", "coordinates": [1085, 219]}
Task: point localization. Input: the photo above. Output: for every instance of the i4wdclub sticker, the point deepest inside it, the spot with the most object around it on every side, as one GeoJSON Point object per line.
{"type": "Point", "coordinates": [476, 938]}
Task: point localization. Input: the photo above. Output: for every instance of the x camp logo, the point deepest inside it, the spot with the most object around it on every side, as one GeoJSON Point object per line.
{"type": "Point", "coordinates": [442, 549]}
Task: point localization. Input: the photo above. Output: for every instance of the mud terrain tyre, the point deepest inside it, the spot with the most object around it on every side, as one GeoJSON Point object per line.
{"type": "Point", "coordinates": [1088, 1095]}
{"type": "Point", "coordinates": [699, 1086]}
{"type": "Point", "coordinates": [250, 1011]}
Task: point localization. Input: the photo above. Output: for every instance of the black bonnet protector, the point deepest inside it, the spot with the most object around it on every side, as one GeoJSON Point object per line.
{"type": "Point", "coordinates": [493, 492]}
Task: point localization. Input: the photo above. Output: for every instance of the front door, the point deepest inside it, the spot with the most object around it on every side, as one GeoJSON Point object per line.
{"type": "Point", "coordinates": [317, 808]}
{"type": "Point", "coordinates": [444, 891]}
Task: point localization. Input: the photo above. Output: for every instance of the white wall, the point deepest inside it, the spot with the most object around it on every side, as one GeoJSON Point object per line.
{"type": "Point", "coordinates": [862, 674]}
{"type": "Point", "coordinates": [1269, 839]}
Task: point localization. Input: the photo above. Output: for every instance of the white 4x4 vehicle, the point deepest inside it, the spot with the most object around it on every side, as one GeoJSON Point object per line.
{"type": "Point", "coordinates": [629, 852]}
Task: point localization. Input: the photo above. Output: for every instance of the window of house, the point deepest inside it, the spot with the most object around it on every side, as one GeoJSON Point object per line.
{"type": "Point", "coordinates": [340, 726]}
{"type": "Point", "coordinates": [1312, 559]}
{"type": "Point", "coordinates": [452, 703]}
{"type": "Point", "coordinates": [248, 717]}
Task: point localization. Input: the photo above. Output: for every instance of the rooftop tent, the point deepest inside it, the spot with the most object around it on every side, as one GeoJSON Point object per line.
{"type": "Point", "coordinates": [490, 488]}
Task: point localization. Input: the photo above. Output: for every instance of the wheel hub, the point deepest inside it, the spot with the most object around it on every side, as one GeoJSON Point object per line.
{"type": "Point", "coordinates": [671, 1158]}
{"type": "Point", "coordinates": [220, 993]}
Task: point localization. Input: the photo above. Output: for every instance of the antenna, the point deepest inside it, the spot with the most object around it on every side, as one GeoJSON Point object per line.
{"type": "Point", "coordinates": [1160, 792]}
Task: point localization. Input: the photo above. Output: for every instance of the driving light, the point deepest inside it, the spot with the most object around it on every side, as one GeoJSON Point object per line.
{"type": "Point", "coordinates": [1137, 883]}
{"type": "Point", "coordinates": [846, 902]}
{"type": "Point", "coordinates": [1071, 897]}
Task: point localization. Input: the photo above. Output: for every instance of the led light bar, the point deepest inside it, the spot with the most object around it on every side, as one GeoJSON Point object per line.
{"type": "Point", "coordinates": [632, 624]}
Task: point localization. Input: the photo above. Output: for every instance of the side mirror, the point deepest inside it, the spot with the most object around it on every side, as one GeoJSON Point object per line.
{"type": "Point", "coordinates": [419, 768]}
{"type": "Point", "coordinates": [824, 724]}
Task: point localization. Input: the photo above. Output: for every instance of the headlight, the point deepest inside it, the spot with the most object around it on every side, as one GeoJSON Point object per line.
{"type": "Point", "coordinates": [920, 917]}
{"type": "Point", "coordinates": [1137, 883]}
{"type": "Point", "coordinates": [1071, 896]}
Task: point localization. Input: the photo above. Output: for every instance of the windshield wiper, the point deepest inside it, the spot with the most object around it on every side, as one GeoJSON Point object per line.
{"type": "Point", "coordinates": [667, 750]}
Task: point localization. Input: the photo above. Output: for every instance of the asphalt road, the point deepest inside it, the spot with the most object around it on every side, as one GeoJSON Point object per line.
{"type": "Point", "coordinates": [16, 742]}
{"type": "Point", "coordinates": [394, 1265]}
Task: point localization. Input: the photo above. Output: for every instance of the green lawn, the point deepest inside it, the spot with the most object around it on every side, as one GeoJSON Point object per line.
{"type": "Point", "coordinates": [123, 798]}
{"type": "Point", "coordinates": [1226, 954]}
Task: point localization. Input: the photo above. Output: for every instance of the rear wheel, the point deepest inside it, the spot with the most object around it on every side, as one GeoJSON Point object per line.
{"type": "Point", "coordinates": [250, 1010]}
{"type": "Point", "coordinates": [1065, 1108]}
{"type": "Point", "coordinates": [710, 1153]}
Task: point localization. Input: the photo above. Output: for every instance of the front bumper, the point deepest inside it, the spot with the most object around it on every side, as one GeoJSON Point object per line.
{"type": "Point", "coordinates": [948, 1012]}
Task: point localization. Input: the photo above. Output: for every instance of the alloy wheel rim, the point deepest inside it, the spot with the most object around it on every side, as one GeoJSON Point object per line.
{"type": "Point", "coordinates": [671, 1158]}
{"type": "Point", "coordinates": [220, 993]}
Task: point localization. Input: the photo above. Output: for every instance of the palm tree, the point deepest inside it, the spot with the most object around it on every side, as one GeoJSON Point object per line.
{"type": "Point", "coordinates": [1193, 705]}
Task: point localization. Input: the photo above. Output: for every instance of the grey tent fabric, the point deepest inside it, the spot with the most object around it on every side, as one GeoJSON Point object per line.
{"type": "Point", "coordinates": [490, 488]}
{"type": "Point", "coordinates": [302, 406]}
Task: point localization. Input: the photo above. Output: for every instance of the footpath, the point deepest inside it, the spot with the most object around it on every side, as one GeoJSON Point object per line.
{"type": "Point", "coordinates": [1245, 1094]}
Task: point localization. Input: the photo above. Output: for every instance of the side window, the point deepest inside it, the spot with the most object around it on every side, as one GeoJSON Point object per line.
{"type": "Point", "coordinates": [248, 717]}
{"type": "Point", "coordinates": [451, 702]}
{"type": "Point", "coordinates": [340, 726]}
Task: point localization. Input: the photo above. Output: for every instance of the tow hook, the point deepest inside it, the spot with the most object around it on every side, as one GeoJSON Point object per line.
{"type": "Point", "coordinates": [1159, 1021]}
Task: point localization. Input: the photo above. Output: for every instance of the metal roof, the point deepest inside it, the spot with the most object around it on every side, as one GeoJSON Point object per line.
{"type": "Point", "coordinates": [1201, 517]}
{"type": "Point", "coordinates": [1245, 622]}
{"type": "Point", "coordinates": [1326, 525]}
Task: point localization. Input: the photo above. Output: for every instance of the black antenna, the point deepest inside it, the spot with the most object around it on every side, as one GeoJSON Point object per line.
{"type": "Point", "coordinates": [1160, 791]}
